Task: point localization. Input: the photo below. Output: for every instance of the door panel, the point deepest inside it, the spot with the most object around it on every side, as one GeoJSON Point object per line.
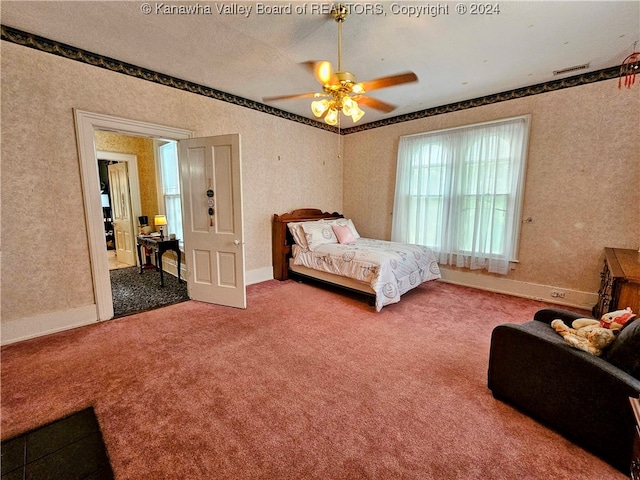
{"type": "Point", "coordinates": [226, 272]}
{"type": "Point", "coordinates": [202, 266]}
{"type": "Point", "coordinates": [224, 191]}
{"type": "Point", "coordinates": [195, 178]}
{"type": "Point", "coordinates": [214, 243]}
{"type": "Point", "coordinates": [121, 212]}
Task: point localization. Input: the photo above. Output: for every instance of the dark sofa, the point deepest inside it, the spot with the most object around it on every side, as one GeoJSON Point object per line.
{"type": "Point", "coordinates": [581, 396]}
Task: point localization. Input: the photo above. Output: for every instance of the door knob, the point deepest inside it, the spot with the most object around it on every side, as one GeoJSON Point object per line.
{"type": "Point", "coordinates": [236, 242]}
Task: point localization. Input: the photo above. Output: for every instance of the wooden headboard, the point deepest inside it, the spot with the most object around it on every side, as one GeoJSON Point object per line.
{"type": "Point", "coordinates": [282, 240]}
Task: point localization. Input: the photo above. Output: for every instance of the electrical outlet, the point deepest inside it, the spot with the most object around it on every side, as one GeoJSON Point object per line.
{"type": "Point", "coordinates": [557, 294]}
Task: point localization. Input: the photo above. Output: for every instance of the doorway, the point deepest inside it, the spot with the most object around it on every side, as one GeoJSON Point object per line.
{"type": "Point", "coordinates": [133, 178]}
{"type": "Point", "coordinates": [216, 266]}
{"type": "Point", "coordinates": [87, 124]}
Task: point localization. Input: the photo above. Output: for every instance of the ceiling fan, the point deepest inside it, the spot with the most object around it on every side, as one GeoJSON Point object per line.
{"type": "Point", "coordinates": [341, 90]}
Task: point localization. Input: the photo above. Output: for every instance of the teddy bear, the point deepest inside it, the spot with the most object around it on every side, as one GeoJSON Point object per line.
{"type": "Point", "coordinates": [593, 335]}
{"type": "Point", "coordinates": [587, 334]}
{"type": "Point", "coordinates": [617, 319]}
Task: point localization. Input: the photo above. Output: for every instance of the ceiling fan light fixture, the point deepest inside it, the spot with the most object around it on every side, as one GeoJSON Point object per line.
{"type": "Point", "coordinates": [357, 114]}
{"type": "Point", "coordinates": [341, 91]}
{"type": "Point", "coordinates": [332, 116]}
{"type": "Point", "coordinates": [349, 106]}
{"type": "Point", "coordinates": [319, 107]}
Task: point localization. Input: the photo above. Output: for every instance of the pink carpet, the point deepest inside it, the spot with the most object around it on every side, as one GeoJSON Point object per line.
{"type": "Point", "coordinates": [303, 384]}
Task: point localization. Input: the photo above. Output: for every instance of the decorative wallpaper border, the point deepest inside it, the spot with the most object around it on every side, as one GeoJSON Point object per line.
{"type": "Point", "coordinates": [583, 79]}
{"type": "Point", "coordinates": [43, 44]}
{"type": "Point", "coordinates": [30, 40]}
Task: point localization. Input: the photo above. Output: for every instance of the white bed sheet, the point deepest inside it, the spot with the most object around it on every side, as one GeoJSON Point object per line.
{"type": "Point", "coordinates": [391, 268]}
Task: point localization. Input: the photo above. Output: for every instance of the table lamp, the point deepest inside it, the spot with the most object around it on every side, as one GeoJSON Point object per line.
{"type": "Point", "coordinates": [160, 221]}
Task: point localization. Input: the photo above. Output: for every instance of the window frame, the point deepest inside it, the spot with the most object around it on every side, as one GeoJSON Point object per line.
{"type": "Point", "coordinates": [161, 200]}
{"type": "Point", "coordinates": [515, 195]}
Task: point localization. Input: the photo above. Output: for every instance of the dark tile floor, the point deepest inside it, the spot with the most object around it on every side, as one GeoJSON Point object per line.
{"type": "Point", "coordinates": [68, 449]}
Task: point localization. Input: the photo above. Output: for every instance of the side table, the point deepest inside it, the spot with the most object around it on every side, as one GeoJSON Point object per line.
{"type": "Point", "coordinates": [159, 246]}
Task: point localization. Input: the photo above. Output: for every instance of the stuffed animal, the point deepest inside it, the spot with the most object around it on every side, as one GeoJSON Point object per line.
{"type": "Point", "coordinates": [593, 335]}
{"type": "Point", "coordinates": [587, 334]}
{"type": "Point", "coordinates": [617, 319]}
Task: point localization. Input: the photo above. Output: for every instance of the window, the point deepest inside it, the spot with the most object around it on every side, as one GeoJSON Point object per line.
{"type": "Point", "coordinates": [460, 191]}
{"type": "Point", "coordinates": [169, 188]}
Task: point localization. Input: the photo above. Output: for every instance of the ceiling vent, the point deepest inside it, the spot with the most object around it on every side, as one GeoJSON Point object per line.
{"type": "Point", "coordinates": [571, 69]}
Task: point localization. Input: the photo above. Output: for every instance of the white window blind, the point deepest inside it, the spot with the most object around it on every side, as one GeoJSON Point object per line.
{"type": "Point", "coordinates": [170, 187]}
{"type": "Point", "coordinates": [460, 192]}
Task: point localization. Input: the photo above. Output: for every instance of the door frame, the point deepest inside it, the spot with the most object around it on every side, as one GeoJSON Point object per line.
{"type": "Point", "coordinates": [87, 123]}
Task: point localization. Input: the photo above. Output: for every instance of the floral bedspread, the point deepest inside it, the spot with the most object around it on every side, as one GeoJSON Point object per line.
{"type": "Point", "coordinates": [391, 268]}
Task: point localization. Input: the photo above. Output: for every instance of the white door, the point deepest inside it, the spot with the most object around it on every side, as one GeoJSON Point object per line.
{"type": "Point", "coordinates": [211, 179]}
{"type": "Point", "coordinates": [121, 213]}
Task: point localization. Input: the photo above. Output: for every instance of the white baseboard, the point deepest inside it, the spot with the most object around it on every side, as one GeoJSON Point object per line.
{"type": "Point", "coordinates": [46, 323]}
{"type": "Point", "coordinates": [258, 275]}
{"type": "Point", "coordinates": [170, 266]}
{"type": "Point", "coordinates": [534, 291]}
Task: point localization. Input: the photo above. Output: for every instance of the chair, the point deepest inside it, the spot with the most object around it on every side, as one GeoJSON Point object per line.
{"type": "Point", "coordinates": [581, 396]}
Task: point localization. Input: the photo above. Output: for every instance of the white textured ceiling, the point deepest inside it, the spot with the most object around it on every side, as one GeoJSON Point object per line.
{"type": "Point", "coordinates": [455, 56]}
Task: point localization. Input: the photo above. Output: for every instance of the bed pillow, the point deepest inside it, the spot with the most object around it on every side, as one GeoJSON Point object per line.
{"type": "Point", "coordinates": [318, 233]}
{"type": "Point", "coordinates": [348, 223]}
{"type": "Point", "coordinates": [343, 234]}
{"type": "Point", "coordinates": [297, 233]}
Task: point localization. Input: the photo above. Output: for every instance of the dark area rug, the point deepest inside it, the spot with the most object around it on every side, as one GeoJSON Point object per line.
{"type": "Point", "coordinates": [133, 292]}
{"type": "Point", "coordinates": [71, 448]}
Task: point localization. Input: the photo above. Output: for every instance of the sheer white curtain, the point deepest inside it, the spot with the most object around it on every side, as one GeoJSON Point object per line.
{"type": "Point", "coordinates": [171, 187]}
{"type": "Point", "coordinates": [460, 191]}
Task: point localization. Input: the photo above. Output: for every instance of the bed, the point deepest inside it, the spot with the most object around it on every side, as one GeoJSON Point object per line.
{"type": "Point", "coordinates": [326, 247]}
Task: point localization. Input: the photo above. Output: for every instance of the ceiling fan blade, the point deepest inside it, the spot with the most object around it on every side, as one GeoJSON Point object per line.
{"type": "Point", "coordinates": [288, 97]}
{"type": "Point", "coordinates": [384, 82]}
{"type": "Point", "coordinates": [322, 70]}
{"type": "Point", "coordinates": [377, 104]}
{"type": "Point", "coordinates": [324, 73]}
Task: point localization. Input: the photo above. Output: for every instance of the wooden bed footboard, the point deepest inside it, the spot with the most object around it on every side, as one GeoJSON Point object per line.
{"type": "Point", "coordinates": [282, 240]}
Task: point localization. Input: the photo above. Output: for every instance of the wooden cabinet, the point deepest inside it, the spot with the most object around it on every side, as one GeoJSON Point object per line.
{"type": "Point", "coordinates": [620, 282]}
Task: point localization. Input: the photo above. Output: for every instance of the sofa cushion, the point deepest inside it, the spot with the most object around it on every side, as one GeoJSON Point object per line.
{"type": "Point", "coordinates": [624, 352]}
